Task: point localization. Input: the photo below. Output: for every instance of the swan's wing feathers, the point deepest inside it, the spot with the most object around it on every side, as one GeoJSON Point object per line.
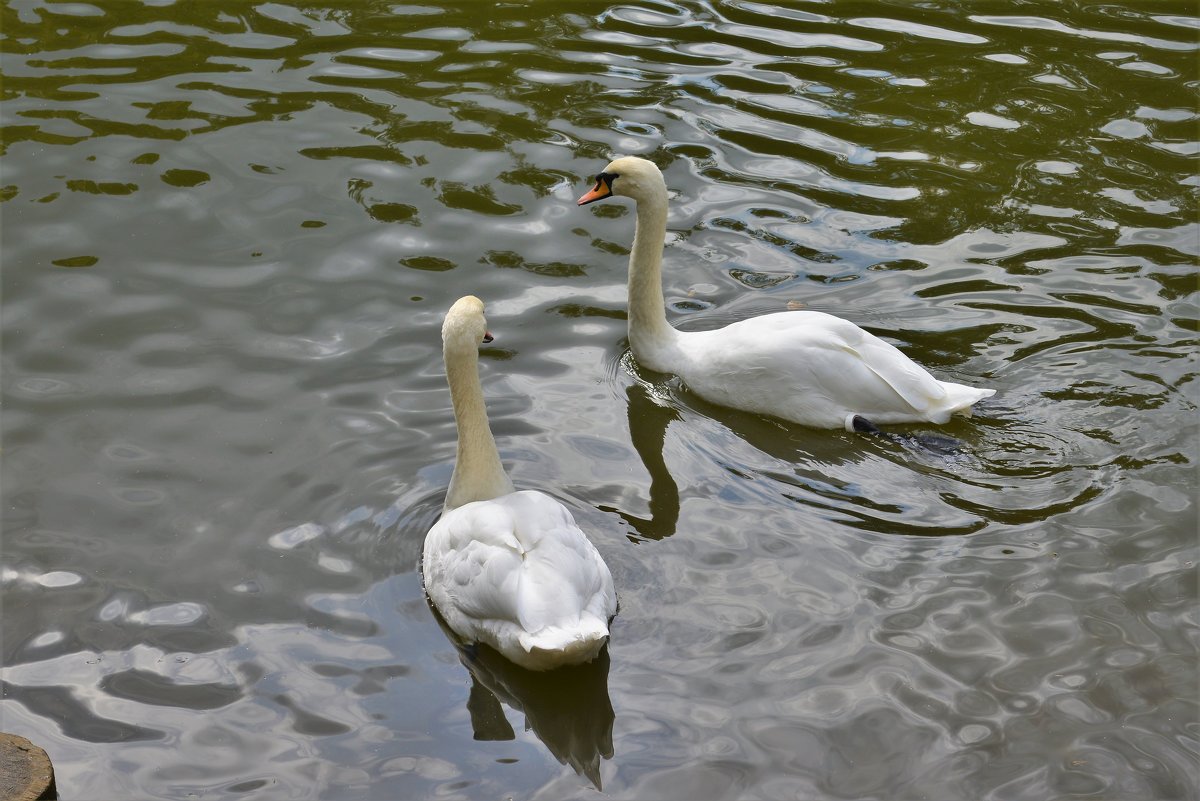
{"type": "Point", "coordinates": [520, 558]}
{"type": "Point", "coordinates": [480, 560]}
{"type": "Point", "coordinates": [483, 580]}
{"type": "Point", "coordinates": [910, 380]}
{"type": "Point", "coordinates": [562, 574]}
{"type": "Point", "coordinates": [561, 579]}
{"type": "Point", "coordinates": [825, 341]}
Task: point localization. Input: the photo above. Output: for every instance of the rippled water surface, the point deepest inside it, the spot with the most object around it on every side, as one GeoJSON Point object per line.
{"type": "Point", "coordinates": [230, 232]}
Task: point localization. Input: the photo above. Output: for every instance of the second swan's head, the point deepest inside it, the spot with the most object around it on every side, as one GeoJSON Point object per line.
{"type": "Point", "coordinates": [628, 176]}
{"type": "Point", "coordinates": [465, 324]}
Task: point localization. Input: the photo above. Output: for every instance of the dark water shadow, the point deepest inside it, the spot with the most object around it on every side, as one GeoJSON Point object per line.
{"type": "Point", "coordinates": [567, 708]}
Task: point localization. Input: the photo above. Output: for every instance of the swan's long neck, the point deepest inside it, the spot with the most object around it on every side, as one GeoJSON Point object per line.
{"type": "Point", "coordinates": [650, 335]}
{"type": "Point", "coordinates": [478, 472]}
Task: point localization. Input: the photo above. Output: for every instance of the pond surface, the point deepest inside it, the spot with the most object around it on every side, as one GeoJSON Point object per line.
{"type": "Point", "coordinates": [230, 233]}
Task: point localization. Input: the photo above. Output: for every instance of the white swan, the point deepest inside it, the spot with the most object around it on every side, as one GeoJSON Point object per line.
{"type": "Point", "coordinates": [804, 366]}
{"type": "Point", "coordinates": [510, 569]}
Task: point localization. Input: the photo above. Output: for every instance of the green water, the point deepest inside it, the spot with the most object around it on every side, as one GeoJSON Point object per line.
{"type": "Point", "coordinates": [230, 232]}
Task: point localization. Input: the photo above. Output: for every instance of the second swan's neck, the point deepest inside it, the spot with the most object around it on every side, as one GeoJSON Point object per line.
{"type": "Point", "coordinates": [650, 335]}
{"type": "Point", "coordinates": [478, 472]}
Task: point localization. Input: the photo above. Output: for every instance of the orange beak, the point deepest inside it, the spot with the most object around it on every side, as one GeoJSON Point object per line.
{"type": "Point", "coordinates": [601, 190]}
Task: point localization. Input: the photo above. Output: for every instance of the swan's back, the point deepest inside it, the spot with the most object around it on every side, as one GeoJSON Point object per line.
{"type": "Point", "coordinates": [815, 369]}
{"type": "Point", "coordinates": [517, 573]}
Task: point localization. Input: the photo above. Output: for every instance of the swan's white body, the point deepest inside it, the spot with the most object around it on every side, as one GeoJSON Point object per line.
{"type": "Point", "coordinates": [510, 569]}
{"type": "Point", "coordinates": [806, 367]}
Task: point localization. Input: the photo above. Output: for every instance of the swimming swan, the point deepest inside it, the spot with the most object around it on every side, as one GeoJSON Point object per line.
{"type": "Point", "coordinates": [506, 568]}
{"type": "Point", "coordinates": [804, 366]}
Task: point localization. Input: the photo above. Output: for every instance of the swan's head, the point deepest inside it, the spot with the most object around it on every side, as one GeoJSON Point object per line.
{"type": "Point", "coordinates": [465, 323]}
{"type": "Point", "coordinates": [628, 176]}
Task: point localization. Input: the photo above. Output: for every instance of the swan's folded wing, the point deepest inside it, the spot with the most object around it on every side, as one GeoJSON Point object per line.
{"type": "Point", "coordinates": [563, 577]}
{"type": "Point", "coordinates": [520, 558]}
{"type": "Point", "coordinates": [911, 381]}
{"type": "Point", "coordinates": [479, 560]}
{"type": "Point", "coordinates": [559, 579]}
{"type": "Point", "coordinates": [806, 364]}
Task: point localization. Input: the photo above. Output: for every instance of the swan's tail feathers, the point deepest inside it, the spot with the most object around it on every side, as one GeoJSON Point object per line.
{"type": "Point", "coordinates": [960, 398]}
{"type": "Point", "coordinates": [563, 645]}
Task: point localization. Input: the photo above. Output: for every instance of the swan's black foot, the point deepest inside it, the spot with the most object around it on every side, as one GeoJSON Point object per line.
{"type": "Point", "coordinates": [940, 443]}
{"type": "Point", "coordinates": [864, 426]}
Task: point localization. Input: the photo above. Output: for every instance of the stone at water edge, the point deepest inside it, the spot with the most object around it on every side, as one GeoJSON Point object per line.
{"type": "Point", "coordinates": [25, 771]}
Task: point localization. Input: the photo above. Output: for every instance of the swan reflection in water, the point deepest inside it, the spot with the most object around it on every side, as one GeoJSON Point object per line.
{"type": "Point", "coordinates": [648, 422]}
{"type": "Point", "coordinates": [568, 708]}
{"type": "Point", "coordinates": [657, 400]}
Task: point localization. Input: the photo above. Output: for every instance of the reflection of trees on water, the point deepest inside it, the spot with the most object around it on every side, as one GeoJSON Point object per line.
{"type": "Point", "coordinates": [567, 708]}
